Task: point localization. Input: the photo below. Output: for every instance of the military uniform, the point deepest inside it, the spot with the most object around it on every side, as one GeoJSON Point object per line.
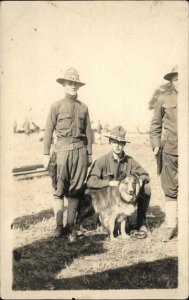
{"type": "Point", "coordinates": [163, 133]}
{"type": "Point", "coordinates": [69, 119]}
{"type": "Point", "coordinates": [108, 168]}
{"type": "Point", "coordinates": [164, 139]}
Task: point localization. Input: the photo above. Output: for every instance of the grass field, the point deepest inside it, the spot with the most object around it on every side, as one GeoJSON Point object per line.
{"type": "Point", "coordinates": [92, 262]}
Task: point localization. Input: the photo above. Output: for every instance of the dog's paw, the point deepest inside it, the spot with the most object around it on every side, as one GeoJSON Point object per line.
{"type": "Point", "coordinates": [125, 236]}
{"type": "Point", "coordinates": [113, 239]}
{"type": "Point", "coordinates": [82, 229]}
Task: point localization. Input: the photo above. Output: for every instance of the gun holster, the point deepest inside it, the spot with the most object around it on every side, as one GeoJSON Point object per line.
{"type": "Point", "coordinates": [52, 168]}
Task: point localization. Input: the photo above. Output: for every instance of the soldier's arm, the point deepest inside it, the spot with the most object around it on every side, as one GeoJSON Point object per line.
{"type": "Point", "coordinates": [49, 129]}
{"type": "Point", "coordinates": [94, 180]}
{"type": "Point", "coordinates": [138, 170]}
{"type": "Point", "coordinates": [156, 125]}
{"type": "Point", "coordinates": [88, 134]}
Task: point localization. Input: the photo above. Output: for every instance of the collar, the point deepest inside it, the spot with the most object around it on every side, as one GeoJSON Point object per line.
{"type": "Point", "coordinates": [175, 92]}
{"type": "Point", "coordinates": [70, 97]}
{"type": "Point", "coordinates": [115, 158]}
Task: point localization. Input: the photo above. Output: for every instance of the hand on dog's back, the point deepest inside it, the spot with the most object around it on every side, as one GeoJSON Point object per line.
{"type": "Point", "coordinates": [113, 183]}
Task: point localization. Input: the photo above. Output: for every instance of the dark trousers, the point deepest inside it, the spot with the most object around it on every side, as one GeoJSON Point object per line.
{"type": "Point", "coordinates": [143, 203]}
{"type": "Point", "coordinates": [169, 175]}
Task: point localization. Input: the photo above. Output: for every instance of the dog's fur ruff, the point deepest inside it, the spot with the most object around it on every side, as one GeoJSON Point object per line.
{"type": "Point", "coordinates": [114, 204]}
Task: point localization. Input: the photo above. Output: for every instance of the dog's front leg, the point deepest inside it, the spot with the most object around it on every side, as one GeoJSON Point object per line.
{"type": "Point", "coordinates": [111, 227]}
{"type": "Point", "coordinates": [124, 235]}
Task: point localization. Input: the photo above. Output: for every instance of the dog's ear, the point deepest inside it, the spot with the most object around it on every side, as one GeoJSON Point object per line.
{"type": "Point", "coordinates": [122, 176]}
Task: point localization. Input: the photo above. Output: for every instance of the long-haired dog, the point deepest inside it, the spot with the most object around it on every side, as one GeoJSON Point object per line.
{"type": "Point", "coordinates": [113, 204]}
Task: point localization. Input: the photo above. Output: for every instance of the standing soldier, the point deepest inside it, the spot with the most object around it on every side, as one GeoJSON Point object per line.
{"type": "Point", "coordinates": [164, 141]}
{"type": "Point", "coordinates": [69, 118]}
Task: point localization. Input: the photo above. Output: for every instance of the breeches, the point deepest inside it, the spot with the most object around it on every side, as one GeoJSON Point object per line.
{"type": "Point", "coordinates": [71, 172]}
{"type": "Point", "coordinates": [169, 175]}
{"type": "Point", "coordinates": [143, 203]}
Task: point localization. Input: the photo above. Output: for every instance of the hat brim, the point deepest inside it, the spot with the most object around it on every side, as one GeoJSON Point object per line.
{"type": "Point", "coordinates": [169, 76]}
{"type": "Point", "coordinates": [62, 80]}
{"type": "Point", "coordinates": [116, 138]}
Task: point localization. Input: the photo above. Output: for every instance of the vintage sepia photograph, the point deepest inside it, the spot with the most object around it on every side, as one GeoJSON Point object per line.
{"type": "Point", "coordinates": [94, 149]}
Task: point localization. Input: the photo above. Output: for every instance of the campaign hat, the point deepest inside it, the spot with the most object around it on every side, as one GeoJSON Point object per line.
{"type": "Point", "coordinates": [72, 75]}
{"type": "Point", "coordinates": [117, 133]}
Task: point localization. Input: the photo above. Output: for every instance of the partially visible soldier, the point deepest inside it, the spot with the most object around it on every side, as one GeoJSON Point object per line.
{"type": "Point", "coordinates": [26, 126]}
{"type": "Point", "coordinates": [69, 118]}
{"type": "Point", "coordinates": [164, 141]}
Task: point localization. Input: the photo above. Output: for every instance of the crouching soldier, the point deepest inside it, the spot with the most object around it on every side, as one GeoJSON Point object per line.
{"type": "Point", "coordinates": [69, 118]}
{"type": "Point", "coordinates": [107, 169]}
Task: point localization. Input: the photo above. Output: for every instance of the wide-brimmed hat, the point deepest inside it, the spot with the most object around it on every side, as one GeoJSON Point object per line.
{"type": "Point", "coordinates": [117, 133]}
{"type": "Point", "coordinates": [170, 75]}
{"type": "Point", "coordinates": [70, 74]}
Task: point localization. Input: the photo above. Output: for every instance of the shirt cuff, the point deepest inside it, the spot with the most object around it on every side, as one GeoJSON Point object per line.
{"type": "Point", "coordinates": [145, 178]}
{"type": "Point", "coordinates": [89, 151]}
{"type": "Point", "coordinates": [46, 152]}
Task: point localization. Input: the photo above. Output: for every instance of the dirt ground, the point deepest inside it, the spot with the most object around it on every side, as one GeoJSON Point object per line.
{"type": "Point", "coordinates": [92, 262]}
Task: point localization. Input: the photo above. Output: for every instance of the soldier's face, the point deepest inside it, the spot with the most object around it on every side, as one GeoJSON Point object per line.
{"type": "Point", "coordinates": [71, 87]}
{"type": "Point", "coordinates": [116, 146]}
{"type": "Point", "coordinates": [175, 82]}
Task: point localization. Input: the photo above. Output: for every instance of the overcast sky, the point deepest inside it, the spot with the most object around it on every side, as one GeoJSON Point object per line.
{"type": "Point", "coordinates": [121, 49]}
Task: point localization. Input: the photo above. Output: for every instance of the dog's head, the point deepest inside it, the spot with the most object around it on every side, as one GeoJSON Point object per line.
{"type": "Point", "coordinates": [129, 188]}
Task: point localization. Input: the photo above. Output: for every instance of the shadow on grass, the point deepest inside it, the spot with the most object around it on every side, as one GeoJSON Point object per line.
{"type": "Point", "coordinates": [158, 274]}
{"type": "Point", "coordinates": [35, 265]}
{"type": "Point", "coordinates": [26, 221]}
{"type": "Point", "coordinates": [155, 218]}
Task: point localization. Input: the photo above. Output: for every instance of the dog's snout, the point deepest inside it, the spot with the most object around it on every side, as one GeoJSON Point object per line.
{"type": "Point", "coordinates": [131, 192]}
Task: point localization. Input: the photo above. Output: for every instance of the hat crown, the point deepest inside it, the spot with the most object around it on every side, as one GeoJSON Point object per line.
{"type": "Point", "coordinates": [118, 132]}
{"type": "Point", "coordinates": [71, 74]}
{"type": "Point", "coordinates": [175, 69]}
{"type": "Point", "coordinates": [170, 75]}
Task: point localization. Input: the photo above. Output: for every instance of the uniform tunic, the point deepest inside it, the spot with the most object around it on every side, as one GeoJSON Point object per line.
{"type": "Point", "coordinates": [69, 118]}
{"type": "Point", "coordinates": [163, 133]}
{"type": "Point", "coordinates": [107, 168]}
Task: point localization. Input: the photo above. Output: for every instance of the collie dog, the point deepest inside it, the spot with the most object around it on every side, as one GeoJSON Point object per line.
{"type": "Point", "coordinates": [113, 204]}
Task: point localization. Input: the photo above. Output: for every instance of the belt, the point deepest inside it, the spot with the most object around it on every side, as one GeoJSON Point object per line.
{"type": "Point", "coordinates": [63, 147]}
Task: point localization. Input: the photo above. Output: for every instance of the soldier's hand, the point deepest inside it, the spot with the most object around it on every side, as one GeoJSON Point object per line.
{"type": "Point", "coordinates": [46, 159]}
{"type": "Point", "coordinates": [113, 183]}
{"type": "Point", "coordinates": [156, 150]}
{"type": "Point", "coordinates": [89, 160]}
{"type": "Point", "coordinates": [140, 182]}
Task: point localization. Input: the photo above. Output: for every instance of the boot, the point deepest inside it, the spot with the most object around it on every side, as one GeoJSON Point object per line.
{"type": "Point", "coordinates": [169, 229]}
{"type": "Point", "coordinates": [58, 214]}
{"type": "Point", "coordinates": [73, 203]}
{"type": "Point", "coordinates": [72, 234]}
{"type": "Point", "coordinates": [58, 231]}
{"type": "Point", "coordinates": [167, 234]}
